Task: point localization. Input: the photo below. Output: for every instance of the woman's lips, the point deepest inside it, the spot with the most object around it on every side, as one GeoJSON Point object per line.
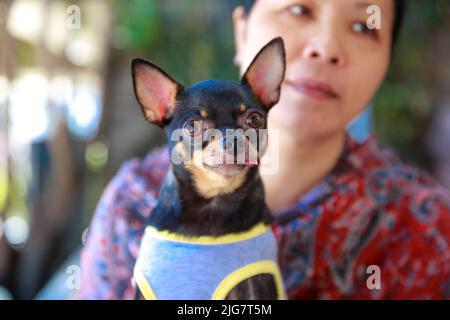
{"type": "Point", "coordinates": [313, 88]}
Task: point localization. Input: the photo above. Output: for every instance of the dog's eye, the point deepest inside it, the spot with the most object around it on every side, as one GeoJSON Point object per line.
{"type": "Point", "coordinates": [255, 120]}
{"type": "Point", "coordinates": [193, 127]}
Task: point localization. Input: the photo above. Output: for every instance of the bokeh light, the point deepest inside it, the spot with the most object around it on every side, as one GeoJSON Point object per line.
{"type": "Point", "coordinates": [28, 114]}
{"type": "Point", "coordinates": [96, 155]}
{"type": "Point", "coordinates": [16, 231]}
{"type": "Point", "coordinates": [30, 11]}
{"type": "Point", "coordinates": [84, 113]}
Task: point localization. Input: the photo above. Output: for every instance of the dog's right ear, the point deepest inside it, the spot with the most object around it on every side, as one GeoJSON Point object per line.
{"type": "Point", "coordinates": [155, 91]}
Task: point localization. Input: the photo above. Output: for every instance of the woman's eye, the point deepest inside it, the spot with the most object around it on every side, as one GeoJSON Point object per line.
{"type": "Point", "coordinates": [360, 27]}
{"type": "Point", "coordinates": [298, 10]}
{"type": "Point", "coordinates": [193, 127]}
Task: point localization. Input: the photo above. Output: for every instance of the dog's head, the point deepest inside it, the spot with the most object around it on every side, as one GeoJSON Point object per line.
{"type": "Point", "coordinates": [215, 128]}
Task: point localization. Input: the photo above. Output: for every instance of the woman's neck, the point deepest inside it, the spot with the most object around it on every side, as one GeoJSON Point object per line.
{"type": "Point", "coordinates": [302, 164]}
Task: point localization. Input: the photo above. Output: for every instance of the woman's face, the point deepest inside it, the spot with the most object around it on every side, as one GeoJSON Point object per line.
{"type": "Point", "coordinates": [335, 63]}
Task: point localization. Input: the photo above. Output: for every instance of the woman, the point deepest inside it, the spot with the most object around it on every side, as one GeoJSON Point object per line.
{"type": "Point", "coordinates": [352, 221]}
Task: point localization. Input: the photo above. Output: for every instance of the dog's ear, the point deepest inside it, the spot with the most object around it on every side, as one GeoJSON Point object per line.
{"type": "Point", "coordinates": [266, 73]}
{"type": "Point", "coordinates": [155, 91]}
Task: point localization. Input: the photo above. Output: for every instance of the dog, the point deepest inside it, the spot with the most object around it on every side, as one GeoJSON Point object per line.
{"type": "Point", "coordinates": [209, 235]}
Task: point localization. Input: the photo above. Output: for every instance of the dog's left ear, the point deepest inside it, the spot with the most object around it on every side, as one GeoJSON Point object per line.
{"type": "Point", "coordinates": [266, 73]}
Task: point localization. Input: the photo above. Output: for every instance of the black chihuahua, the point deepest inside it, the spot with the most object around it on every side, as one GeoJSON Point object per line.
{"type": "Point", "coordinates": [209, 235]}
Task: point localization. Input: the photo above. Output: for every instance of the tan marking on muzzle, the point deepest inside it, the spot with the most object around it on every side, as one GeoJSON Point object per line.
{"type": "Point", "coordinates": [180, 150]}
{"type": "Point", "coordinates": [210, 184]}
{"type": "Point", "coordinates": [203, 113]}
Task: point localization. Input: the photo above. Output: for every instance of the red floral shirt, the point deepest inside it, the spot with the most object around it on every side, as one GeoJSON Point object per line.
{"type": "Point", "coordinates": [375, 228]}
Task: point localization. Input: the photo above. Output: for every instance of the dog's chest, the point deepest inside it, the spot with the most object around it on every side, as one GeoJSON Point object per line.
{"type": "Point", "coordinates": [179, 268]}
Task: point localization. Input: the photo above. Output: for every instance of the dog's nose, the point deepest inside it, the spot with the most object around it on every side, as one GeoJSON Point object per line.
{"type": "Point", "coordinates": [233, 145]}
{"type": "Point", "coordinates": [229, 143]}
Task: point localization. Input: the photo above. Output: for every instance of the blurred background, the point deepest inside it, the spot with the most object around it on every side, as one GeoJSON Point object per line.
{"type": "Point", "coordinates": [68, 116]}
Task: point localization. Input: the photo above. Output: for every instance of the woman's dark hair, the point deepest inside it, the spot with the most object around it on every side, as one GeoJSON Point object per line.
{"type": "Point", "coordinates": [398, 18]}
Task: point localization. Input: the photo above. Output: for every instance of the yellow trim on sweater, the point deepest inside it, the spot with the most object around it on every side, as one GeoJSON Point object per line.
{"type": "Point", "coordinates": [250, 270]}
{"type": "Point", "coordinates": [227, 284]}
{"type": "Point", "coordinates": [255, 231]}
{"type": "Point", "coordinates": [144, 286]}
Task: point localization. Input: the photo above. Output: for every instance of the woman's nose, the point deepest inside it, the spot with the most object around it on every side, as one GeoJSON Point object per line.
{"type": "Point", "coordinates": [324, 50]}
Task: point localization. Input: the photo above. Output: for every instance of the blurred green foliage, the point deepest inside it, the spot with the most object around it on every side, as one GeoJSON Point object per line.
{"type": "Point", "coordinates": [191, 39]}
{"type": "Point", "coordinates": [403, 104]}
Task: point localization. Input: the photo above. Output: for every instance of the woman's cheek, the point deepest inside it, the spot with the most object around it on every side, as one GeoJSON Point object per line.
{"type": "Point", "coordinates": [358, 99]}
{"type": "Point", "coordinates": [365, 81]}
